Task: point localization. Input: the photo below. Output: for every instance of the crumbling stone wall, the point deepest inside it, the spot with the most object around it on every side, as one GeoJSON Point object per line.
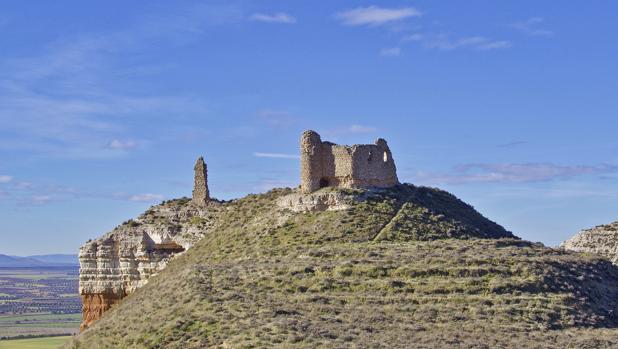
{"type": "Point", "coordinates": [325, 164]}
{"type": "Point", "coordinates": [201, 196]}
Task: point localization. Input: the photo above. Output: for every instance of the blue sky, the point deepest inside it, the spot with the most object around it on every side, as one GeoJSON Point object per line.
{"type": "Point", "coordinates": [105, 105]}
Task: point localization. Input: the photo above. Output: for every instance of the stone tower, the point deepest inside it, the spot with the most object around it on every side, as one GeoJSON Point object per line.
{"type": "Point", "coordinates": [201, 196]}
{"type": "Point", "coordinates": [310, 161]}
{"type": "Point", "coordinates": [325, 164]}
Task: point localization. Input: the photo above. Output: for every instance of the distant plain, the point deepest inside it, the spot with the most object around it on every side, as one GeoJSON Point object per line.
{"type": "Point", "coordinates": [39, 301]}
{"type": "Point", "coordinates": [33, 343]}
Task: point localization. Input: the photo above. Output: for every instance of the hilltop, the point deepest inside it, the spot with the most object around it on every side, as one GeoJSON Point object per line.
{"type": "Point", "coordinates": [404, 266]}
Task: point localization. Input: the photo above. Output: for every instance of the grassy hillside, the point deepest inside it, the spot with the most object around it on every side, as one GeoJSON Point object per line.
{"type": "Point", "coordinates": [406, 267]}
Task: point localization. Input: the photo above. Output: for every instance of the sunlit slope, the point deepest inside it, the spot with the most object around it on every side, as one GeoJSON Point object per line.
{"type": "Point", "coordinates": [405, 267]}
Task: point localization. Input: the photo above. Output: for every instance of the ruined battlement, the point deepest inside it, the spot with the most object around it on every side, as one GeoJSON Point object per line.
{"type": "Point", "coordinates": [325, 164]}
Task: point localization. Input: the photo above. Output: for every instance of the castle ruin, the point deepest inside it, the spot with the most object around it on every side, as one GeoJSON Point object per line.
{"type": "Point", "coordinates": [325, 164]}
{"type": "Point", "coordinates": [201, 196]}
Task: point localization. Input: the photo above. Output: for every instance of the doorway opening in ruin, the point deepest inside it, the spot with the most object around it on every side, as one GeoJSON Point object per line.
{"type": "Point", "coordinates": [324, 182]}
{"type": "Point", "coordinates": [385, 157]}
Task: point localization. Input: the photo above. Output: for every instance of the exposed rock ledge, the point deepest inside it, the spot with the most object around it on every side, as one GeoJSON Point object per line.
{"type": "Point", "coordinates": [601, 240]}
{"type": "Point", "coordinates": [123, 260]}
{"type": "Point", "coordinates": [323, 200]}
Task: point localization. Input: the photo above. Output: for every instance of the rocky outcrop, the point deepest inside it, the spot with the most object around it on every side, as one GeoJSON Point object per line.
{"type": "Point", "coordinates": [333, 200]}
{"type": "Point", "coordinates": [95, 304]}
{"type": "Point", "coordinates": [123, 260]}
{"type": "Point", "coordinates": [601, 240]}
{"type": "Point", "coordinates": [119, 262]}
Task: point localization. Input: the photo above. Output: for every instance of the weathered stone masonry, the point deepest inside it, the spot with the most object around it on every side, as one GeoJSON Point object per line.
{"type": "Point", "coordinates": [201, 196]}
{"type": "Point", "coordinates": [325, 164]}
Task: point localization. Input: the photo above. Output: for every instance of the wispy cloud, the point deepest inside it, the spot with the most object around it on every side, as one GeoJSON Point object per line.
{"type": "Point", "coordinates": [122, 144]}
{"type": "Point", "coordinates": [361, 129]}
{"type": "Point", "coordinates": [512, 144]}
{"type": "Point", "coordinates": [40, 199]}
{"type": "Point", "coordinates": [531, 26]}
{"type": "Point", "coordinates": [276, 155]}
{"type": "Point", "coordinates": [26, 194]}
{"type": "Point", "coordinates": [146, 197]}
{"type": "Point", "coordinates": [277, 118]}
{"type": "Point", "coordinates": [444, 42]}
{"type": "Point", "coordinates": [390, 52]}
{"type": "Point", "coordinates": [36, 194]}
{"type": "Point", "coordinates": [348, 130]}
{"type": "Point", "coordinates": [376, 16]}
{"type": "Point", "coordinates": [5, 179]}
{"type": "Point", "coordinates": [513, 173]}
{"type": "Point", "coordinates": [413, 37]}
{"type": "Point", "coordinates": [279, 17]}
{"type": "Point", "coordinates": [62, 96]}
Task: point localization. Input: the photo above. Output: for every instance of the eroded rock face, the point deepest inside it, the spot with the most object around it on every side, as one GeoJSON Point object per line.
{"type": "Point", "coordinates": [95, 304]}
{"type": "Point", "coordinates": [601, 240]}
{"type": "Point", "coordinates": [123, 260]}
{"type": "Point", "coordinates": [317, 201]}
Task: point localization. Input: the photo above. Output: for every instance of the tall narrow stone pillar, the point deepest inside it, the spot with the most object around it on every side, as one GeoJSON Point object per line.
{"type": "Point", "coordinates": [201, 196]}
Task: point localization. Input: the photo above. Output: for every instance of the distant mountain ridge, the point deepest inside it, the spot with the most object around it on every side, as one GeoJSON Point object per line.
{"type": "Point", "coordinates": [51, 260]}
{"type": "Point", "coordinates": [70, 259]}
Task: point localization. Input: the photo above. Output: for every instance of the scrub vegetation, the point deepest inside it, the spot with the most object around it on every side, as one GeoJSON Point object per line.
{"type": "Point", "coordinates": [404, 267]}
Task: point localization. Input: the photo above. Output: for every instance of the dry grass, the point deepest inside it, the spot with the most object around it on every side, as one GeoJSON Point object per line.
{"type": "Point", "coordinates": [410, 267]}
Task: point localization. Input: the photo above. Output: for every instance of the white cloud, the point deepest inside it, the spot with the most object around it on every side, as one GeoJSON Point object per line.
{"type": "Point", "coordinates": [276, 155]}
{"type": "Point", "coordinates": [390, 52]}
{"type": "Point", "coordinates": [5, 179]}
{"type": "Point", "coordinates": [65, 96]}
{"type": "Point", "coordinates": [443, 42]}
{"type": "Point", "coordinates": [40, 199]}
{"type": "Point", "coordinates": [277, 118]}
{"type": "Point", "coordinates": [531, 27]}
{"type": "Point", "coordinates": [147, 197]}
{"type": "Point", "coordinates": [23, 185]}
{"type": "Point", "coordinates": [361, 129]}
{"type": "Point", "coordinates": [513, 173]}
{"type": "Point", "coordinates": [375, 16]}
{"type": "Point", "coordinates": [273, 18]}
{"type": "Point", "coordinates": [512, 144]}
{"type": "Point", "coordinates": [122, 145]}
{"type": "Point", "coordinates": [413, 37]}
{"type": "Point", "coordinates": [493, 45]}
{"type": "Point", "coordinates": [29, 194]}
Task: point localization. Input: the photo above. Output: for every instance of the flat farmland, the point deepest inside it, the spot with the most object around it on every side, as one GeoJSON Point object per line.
{"type": "Point", "coordinates": [41, 301]}
{"type": "Point", "coordinates": [33, 343]}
